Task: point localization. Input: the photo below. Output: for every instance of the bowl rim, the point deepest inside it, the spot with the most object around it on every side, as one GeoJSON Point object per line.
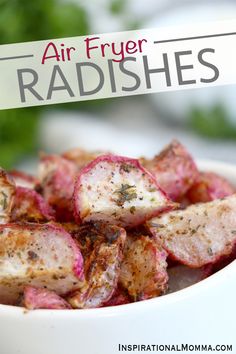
{"type": "Point", "coordinates": [180, 295]}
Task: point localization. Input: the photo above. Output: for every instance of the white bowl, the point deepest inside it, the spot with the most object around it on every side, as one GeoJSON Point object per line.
{"type": "Point", "coordinates": [204, 313]}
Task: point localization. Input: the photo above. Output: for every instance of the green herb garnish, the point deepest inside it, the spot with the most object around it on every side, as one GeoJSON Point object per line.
{"type": "Point", "coordinates": [125, 194]}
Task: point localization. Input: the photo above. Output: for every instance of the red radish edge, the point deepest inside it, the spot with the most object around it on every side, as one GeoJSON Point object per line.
{"type": "Point", "coordinates": [44, 207]}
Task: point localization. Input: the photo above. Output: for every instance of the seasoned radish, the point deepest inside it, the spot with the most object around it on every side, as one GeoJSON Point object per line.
{"type": "Point", "coordinates": [181, 277]}
{"type": "Point", "coordinates": [38, 298]}
{"type": "Point", "coordinates": [209, 186]}
{"type": "Point", "coordinates": [118, 190]}
{"type": "Point", "coordinates": [120, 297]}
{"type": "Point", "coordinates": [143, 269]}
{"type": "Point", "coordinates": [102, 247]}
{"type": "Point", "coordinates": [57, 178]}
{"type": "Point", "coordinates": [7, 191]}
{"type": "Point", "coordinates": [30, 206]}
{"type": "Point", "coordinates": [23, 179]}
{"type": "Point", "coordinates": [81, 157]}
{"type": "Point", "coordinates": [174, 170]}
{"type": "Point", "coordinates": [37, 255]}
{"type": "Point", "coordinates": [200, 234]}
{"type": "Point", "coordinates": [95, 229]}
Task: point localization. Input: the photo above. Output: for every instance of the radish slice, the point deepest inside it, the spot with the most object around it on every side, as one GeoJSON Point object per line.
{"type": "Point", "coordinates": [208, 187]}
{"type": "Point", "coordinates": [102, 247]}
{"type": "Point", "coordinates": [30, 206]}
{"type": "Point", "coordinates": [57, 178]}
{"type": "Point", "coordinates": [117, 190]}
{"type": "Point", "coordinates": [23, 179]}
{"type": "Point", "coordinates": [81, 157]}
{"type": "Point", "coordinates": [174, 169]}
{"type": "Point", "coordinates": [120, 297]}
{"type": "Point", "coordinates": [7, 191]}
{"type": "Point", "coordinates": [37, 255]}
{"type": "Point", "coordinates": [143, 270]}
{"type": "Point", "coordinates": [200, 234]}
{"type": "Point", "coordinates": [38, 298]}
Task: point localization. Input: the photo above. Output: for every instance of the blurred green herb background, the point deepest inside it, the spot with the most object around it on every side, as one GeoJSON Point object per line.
{"type": "Point", "coordinates": [212, 123]}
{"type": "Point", "coordinates": [22, 21]}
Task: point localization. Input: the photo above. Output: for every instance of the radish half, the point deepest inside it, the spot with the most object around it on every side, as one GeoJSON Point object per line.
{"type": "Point", "coordinates": [118, 190]}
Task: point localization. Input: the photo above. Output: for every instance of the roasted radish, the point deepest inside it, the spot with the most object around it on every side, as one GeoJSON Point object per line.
{"type": "Point", "coordinates": [57, 178]}
{"type": "Point", "coordinates": [23, 179]}
{"type": "Point", "coordinates": [209, 186]}
{"type": "Point", "coordinates": [7, 191]}
{"type": "Point", "coordinates": [81, 157]}
{"type": "Point", "coordinates": [174, 170]}
{"type": "Point", "coordinates": [117, 190]}
{"type": "Point", "coordinates": [120, 297]}
{"type": "Point", "coordinates": [37, 255]}
{"type": "Point", "coordinates": [30, 206]}
{"type": "Point", "coordinates": [143, 269]}
{"type": "Point", "coordinates": [39, 298]}
{"type": "Point", "coordinates": [102, 247]}
{"type": "Point", "coordinates": [200, 234]}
